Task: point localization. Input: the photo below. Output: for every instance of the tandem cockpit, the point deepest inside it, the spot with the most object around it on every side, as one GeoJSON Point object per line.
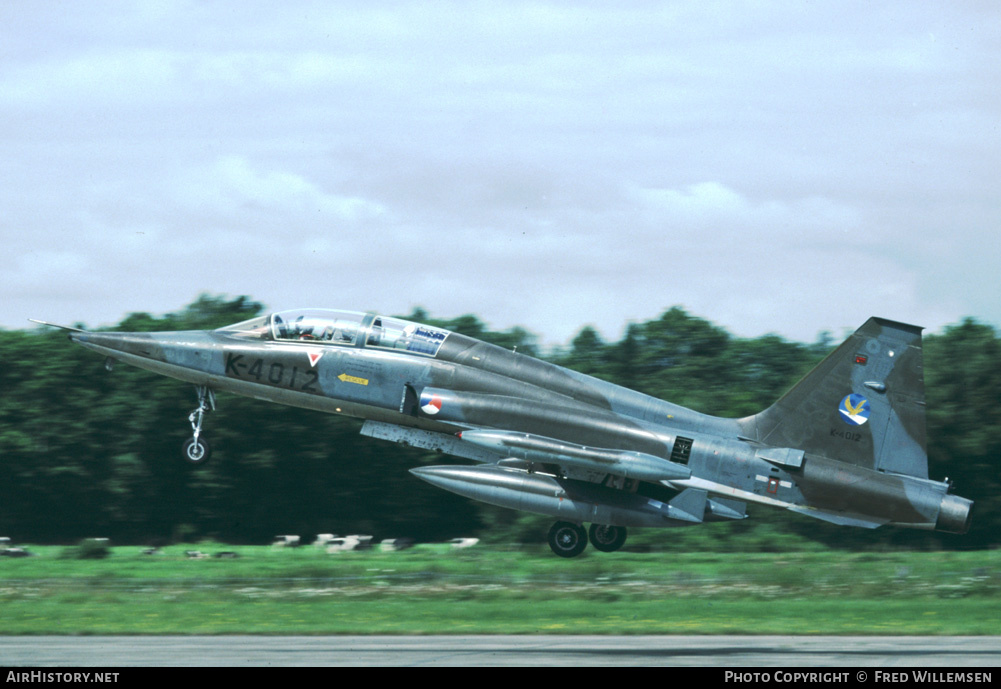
{"type": "Point", "coordinates": [344, 328]}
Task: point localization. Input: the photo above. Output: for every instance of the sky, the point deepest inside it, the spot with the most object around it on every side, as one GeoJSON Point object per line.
{"type": "Point", "coordinates": [773, 167]}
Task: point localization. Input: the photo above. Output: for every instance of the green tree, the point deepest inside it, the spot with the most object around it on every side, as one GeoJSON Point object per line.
{"type": "Point", "coordinates": [588, 353]}
{"type": "Point", "coordinates": [963, 392]}
{"type": "Point", "coordinates": [85, 452]}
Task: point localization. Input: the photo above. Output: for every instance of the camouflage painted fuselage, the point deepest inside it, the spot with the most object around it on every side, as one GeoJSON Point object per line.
{"type": "Point", "coordinates": [846, 444]}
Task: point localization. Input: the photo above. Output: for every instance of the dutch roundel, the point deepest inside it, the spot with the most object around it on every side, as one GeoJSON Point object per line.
{"type": "Point", "coordinates": [430, 403]}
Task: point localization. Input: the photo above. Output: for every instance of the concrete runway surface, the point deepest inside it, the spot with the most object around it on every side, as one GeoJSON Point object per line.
{"type": "Point", "coordinates": [700, 651]}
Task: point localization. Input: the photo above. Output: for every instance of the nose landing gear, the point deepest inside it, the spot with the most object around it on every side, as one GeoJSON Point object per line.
{"type": "Point", "coordinates": [196, 448]}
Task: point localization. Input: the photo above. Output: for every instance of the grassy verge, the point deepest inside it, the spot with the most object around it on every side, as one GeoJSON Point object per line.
{"type": "Point", "coordinates": [434, 590]}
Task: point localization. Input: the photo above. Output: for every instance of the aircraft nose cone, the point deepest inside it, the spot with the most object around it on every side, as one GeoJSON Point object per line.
{"type": "Point", "coordinates": [109, 343]}
{"type": "Point", "coordinates": [187, 355]}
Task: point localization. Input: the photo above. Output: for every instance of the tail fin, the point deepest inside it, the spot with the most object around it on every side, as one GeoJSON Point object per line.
{"type": "Point", "coordinates": [864, 404]}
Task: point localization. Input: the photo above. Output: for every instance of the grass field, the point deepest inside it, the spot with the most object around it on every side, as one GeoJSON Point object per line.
{"type": "Point", "coordinates": [436, 590]}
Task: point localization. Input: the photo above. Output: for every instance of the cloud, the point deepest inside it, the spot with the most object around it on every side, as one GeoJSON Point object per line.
{"type": "Point", "coordinates": [233, 188]}
{"type": "Point", "coordinates": [539, 164]}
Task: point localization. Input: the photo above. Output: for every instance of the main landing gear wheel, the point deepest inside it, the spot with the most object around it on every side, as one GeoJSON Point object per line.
{"type": "Point", "coordinates": [607, 539]}
{"type": "Point", "coordinates": [567, 539]}
{"type": "Point", "coordinates": [196, 448]}
{"type": "Point", "coordinates": [197, 451]}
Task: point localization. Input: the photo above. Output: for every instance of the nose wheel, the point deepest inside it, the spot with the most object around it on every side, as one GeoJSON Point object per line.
{"type": "Point", "coordinates": [196, 448]}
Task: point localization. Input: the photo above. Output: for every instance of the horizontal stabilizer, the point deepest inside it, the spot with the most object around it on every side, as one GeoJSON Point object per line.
{"type": "Point", "coordinates": [842, 519]}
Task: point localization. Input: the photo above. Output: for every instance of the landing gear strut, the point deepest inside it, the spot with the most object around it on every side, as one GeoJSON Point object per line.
{"type": "Point", "coordinates": [196, 448]}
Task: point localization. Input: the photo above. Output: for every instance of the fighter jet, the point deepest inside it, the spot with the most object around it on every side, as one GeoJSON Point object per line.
{"type": "Point", "coordinates": [845, 445]}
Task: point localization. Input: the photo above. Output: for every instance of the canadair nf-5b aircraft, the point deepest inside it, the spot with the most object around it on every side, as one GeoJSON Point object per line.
{"type": "Point", "coordinates": [845, 445]}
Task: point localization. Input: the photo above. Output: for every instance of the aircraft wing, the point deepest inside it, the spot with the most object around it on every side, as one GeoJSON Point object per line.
{"type": "Point", "coordinates": [55, 325]}
{"type": "Point", "coordinates": [429, 440]}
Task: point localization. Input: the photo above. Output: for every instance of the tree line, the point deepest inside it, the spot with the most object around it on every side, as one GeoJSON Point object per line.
{"type": "Point", "coordinates": [85, 452]}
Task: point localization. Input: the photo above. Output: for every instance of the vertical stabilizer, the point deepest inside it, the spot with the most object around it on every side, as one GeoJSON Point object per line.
{"type": "Point", "coordinates": [864, 404]}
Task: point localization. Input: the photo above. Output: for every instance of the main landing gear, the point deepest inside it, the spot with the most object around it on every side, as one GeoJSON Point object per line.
{"type": "Point", "coordinates": [196, 448]}
{"type": "Point", "coordinates": [569, 540]}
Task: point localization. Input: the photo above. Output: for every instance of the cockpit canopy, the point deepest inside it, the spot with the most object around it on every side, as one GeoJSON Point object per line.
{"type": "Point", "coordinates": [348, 328]}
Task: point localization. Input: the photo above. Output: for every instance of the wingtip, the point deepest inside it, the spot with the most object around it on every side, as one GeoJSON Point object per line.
{"type": "Point", "coordinates": [56, 325]}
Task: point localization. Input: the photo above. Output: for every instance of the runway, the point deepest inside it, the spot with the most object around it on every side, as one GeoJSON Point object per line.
{"type": "Point", "coordinates": [499, 651]}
